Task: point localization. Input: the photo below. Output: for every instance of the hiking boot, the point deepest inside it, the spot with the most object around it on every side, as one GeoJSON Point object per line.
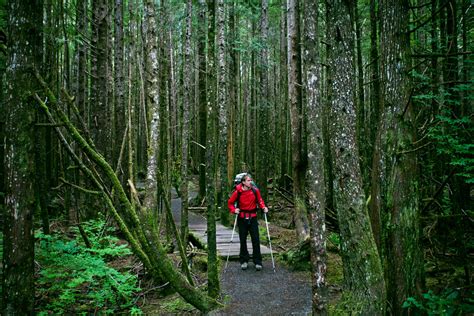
{"type": "Point", "coordinates": [258, 267]}
{"type": "Point", "coordinates": [244, 266]}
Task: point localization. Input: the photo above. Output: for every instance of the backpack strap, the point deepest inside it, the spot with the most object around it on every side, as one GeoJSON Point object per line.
{"type": "Point", "coordinates": [254, 192]}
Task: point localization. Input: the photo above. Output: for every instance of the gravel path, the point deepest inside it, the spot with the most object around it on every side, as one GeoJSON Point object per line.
{"type": "Point", "coordinates": [265, 292]}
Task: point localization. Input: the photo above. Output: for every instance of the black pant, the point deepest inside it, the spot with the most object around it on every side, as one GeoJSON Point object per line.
{"type": "Point", "coordinates": [246, 225]}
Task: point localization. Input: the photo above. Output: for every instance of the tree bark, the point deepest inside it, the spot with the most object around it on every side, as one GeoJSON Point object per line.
{"type": "Point", "coordinates": [264, 146]}
{"type": "Point", "coordinates": [315, 175]}
{"type": "Point", "coordinates": [374, 122]}
{"type": "Point", "coordinates": [397, 170]}
{"type": "Point", "coordinates": [119, 90]}
{"type": "Point", "coordinates": [299, 162]}
{"type": "Point", "coordinates": [25, 50]}
{"type": "Point", "coordinates": [222, 129]}
{"type": "Point", "coordinates": [100, 126]}
{"type": "Point", "coordinates": [363, 274]}
{"type": "Point", "coordinates": [187, 98]}
{"type": "Point", "coordinates": [202, 99]}
{"type": "Point", "coordinates": [212, 151]}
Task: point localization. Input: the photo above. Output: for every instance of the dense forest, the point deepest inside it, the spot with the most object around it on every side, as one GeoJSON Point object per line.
{"type": "Point", "coordinates": [358, 115]}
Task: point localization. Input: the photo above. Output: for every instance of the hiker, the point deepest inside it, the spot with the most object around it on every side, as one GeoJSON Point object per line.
{"type": "Point", "coordinates": [244, 202]}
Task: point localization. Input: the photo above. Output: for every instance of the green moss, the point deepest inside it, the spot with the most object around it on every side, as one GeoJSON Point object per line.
{"type": "Point", "coordinates": [334, 273]}
{"type": "Point", "coordinates": [200, 263]}
{"type": "Point", "coordinates": [176, 305]}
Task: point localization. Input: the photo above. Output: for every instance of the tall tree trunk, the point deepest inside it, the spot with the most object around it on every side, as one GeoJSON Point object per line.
{"type": "Point", "coordinates": [363, 274]}
{"type": "Point", "coordinates": [153, 104]}
{"type": "Point", "coordinates": [99, 89]}
{"type": "Point", "coordinates": [284, 110]}
{"type": "Point", "coordinates": [374, 121]}
{"type": "Point", "coordinates": [164, 155]}
{"type": "Point", "coordinates": [120, 126]}
{"type": "Point", "coordinates": [187, 97]}
{"type": "Point", "coordinates": [131, 116]}
{"type": "Point", "coordinates": [397, 170]}
{"type": "Point", "coordinates": [362, 127]}
{"type": "Point", "coordinates": [212, 151]}
{"type": "Point", "coordinates": [234, 93]}
{"type": "Point", "coordinates": [315, 175]}
{"type": "Point", "coordinates": [264, 146]}
{"type": "Point", "coordinates": [25, 50]}
{"type": "Point", "coordinates": [299, 162]}
{"type": "Point", "coordinates": [222, 129]}
{"type": "Point", "coordinates": [202, 70]}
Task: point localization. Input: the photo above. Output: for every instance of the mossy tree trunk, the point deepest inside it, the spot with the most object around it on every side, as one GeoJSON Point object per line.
{"type": "Point", "coordinates": [396, 169]}
{"type": "Point", "coordinates": [363, 274]}
{"type": "Point", "coordinates": [25, 47]}
{"type": "Point", "coordinates": [139, 231]}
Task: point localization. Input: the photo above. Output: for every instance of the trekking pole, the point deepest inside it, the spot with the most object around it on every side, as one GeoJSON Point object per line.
{"type": "Point", "coordinates": [270, 242]}
{"type": "Point", "coordinates": [231, 240]}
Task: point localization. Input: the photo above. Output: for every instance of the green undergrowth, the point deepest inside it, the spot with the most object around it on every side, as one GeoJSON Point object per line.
{"type": "Point", "coordinates": [449, 302]}
{"type": "Point", "coordinates": [75, 279]}
{"type": "Point", "coordinates": [298, 257]}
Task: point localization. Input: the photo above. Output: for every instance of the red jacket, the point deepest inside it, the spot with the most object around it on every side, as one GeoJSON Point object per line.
{"type": "Point", "coordinates": [247, 201]}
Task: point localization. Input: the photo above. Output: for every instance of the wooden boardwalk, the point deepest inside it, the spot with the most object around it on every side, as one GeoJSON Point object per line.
{"type": "Point", "coordinates": [198, 227]}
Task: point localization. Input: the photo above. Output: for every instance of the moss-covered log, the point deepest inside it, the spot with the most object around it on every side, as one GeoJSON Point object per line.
{"type": "Point", "coordinates": [145, 247]}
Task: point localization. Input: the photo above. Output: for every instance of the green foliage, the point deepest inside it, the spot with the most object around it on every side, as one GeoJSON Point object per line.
{"type": "Point", "coordinates": [335, 240]}
{"type": "Point", "coordinates": [451, 130]}
{"type": "Point", "coordinates": [75, 278]}
{"type": "Point", "coordinates": [448, 303]}
{"type": "Point", "coordinates": [262, 232]}
{"type": "Point", "coordinates": [298, 258]}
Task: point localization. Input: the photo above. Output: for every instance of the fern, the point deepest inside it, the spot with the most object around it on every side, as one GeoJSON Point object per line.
{"type": "Point", "coordinates": [75, 278]}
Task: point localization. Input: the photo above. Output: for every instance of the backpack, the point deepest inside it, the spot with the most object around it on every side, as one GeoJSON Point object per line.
{"type": "Point", "coordinates": [238, 180]}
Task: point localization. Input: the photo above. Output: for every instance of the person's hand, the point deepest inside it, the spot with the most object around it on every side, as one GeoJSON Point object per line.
{"type": "Point", "coordinates": [237, 211]}
{"type": "Point", "coordinates": [265, 210]}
